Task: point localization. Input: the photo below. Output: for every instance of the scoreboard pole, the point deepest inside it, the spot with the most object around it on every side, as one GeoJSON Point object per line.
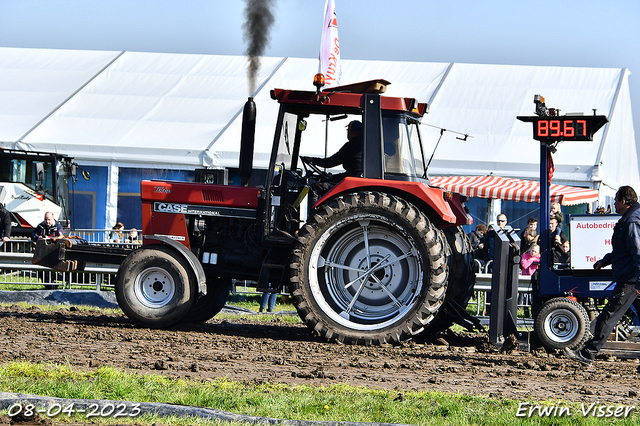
{"type": "Point", "coordinates": [545, 207]}
{"type": "Point", "coordinates": [550, 128]}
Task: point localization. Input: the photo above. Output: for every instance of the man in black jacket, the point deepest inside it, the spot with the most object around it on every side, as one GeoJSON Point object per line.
{"type": "Point", "coordinates": [5, 225]}
{"type": "Point", "coordinates": [349, 156]}
{"type": "Point", "coordinates": [625, 262]}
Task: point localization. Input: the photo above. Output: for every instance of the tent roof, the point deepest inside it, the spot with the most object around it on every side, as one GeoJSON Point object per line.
{"type": "Point", "coordinates": [508, 189]}
{"type": "Point", "coordinates": [183, 111]}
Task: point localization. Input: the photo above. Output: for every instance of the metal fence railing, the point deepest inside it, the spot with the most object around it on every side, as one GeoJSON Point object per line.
{"type": "Point", "coordinates": [107, 236]}
{"type": "Point", "coordinates": [16, 269]}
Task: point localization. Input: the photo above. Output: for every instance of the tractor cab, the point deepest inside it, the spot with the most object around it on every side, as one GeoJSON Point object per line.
{"type": "Point", "coordinates": [315, 124]}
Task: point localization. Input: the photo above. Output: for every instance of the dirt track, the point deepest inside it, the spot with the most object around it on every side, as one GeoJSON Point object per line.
{"type": "Point", "coordinates": [252, 351]}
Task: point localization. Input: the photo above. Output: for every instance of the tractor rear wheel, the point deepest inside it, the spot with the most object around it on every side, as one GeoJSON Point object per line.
{"type": "Point", "coordinates": [368, 268]}
{"type": "Point", "coordinates": [155, 287]}
{"type": "Point", "coordinates": [208, 305]}
{"type": "Point", "coordinates": [461, 279]}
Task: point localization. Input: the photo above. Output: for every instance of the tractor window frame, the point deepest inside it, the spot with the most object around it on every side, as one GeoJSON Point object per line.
{"type": "Point", "coordinates": [399, 146]}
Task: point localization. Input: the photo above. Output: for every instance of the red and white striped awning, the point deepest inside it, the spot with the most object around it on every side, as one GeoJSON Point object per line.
{"type": "Point", "coordinates": [509, 189]}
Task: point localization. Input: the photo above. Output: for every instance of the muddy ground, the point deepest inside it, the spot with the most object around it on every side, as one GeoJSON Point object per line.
{"type": "Point", "coordinates": [251, 351]}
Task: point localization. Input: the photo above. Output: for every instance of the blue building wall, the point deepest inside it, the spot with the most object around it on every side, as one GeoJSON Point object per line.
{"type": "Point", "coordinates": [129, 204]}
{"type": "Point", "coordinates": [89, 198]}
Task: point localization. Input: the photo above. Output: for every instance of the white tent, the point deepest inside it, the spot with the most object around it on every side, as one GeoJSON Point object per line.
{"type": "Point", "coordinates": [175, 111]}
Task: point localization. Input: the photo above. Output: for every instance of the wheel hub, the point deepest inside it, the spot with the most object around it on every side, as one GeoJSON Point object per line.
{"type": "Point", "coordinates": [154, 287]}
{"type": "Point", "coordinates": [370, 272]}
{"type": "Point", "coordinates": [379, 275]}
{"type": "Point", "coordinates": [562, 325]}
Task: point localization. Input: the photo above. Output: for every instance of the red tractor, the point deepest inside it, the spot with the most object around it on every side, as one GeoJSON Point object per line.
{"type": "Point", "coordinates": [375, 259]}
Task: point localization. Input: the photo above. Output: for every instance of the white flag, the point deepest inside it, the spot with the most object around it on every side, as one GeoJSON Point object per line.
{"type": "Point", "coordinates": [330, 47]}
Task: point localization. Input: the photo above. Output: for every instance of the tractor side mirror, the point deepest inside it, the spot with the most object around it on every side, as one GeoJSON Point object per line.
{"type": "Point", "coordinates": [39, 176]}
{"type": "Point", "coordinates": [74, 172]}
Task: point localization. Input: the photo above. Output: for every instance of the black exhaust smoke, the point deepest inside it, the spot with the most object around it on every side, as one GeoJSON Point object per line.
{"type": "Point", "coordinates": [247, 141]}
{"type": "Point", "coordinates": [258, 21]}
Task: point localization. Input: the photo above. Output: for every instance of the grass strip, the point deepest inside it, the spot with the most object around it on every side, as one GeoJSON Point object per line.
{"type": "Point", "coordinates": [284, 401]}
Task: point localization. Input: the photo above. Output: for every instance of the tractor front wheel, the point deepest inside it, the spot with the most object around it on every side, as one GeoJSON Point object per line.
{"type": "Point", "coordinates": [155, 287]}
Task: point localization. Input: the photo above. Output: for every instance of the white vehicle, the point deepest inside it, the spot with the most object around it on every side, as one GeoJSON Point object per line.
{"type": "Point", "coordinates": [33, 183]}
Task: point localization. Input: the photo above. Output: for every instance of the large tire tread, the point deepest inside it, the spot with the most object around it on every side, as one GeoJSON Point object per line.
{"type": "Point", "coordinates": [435, 271]}
{"type": "Point", "coordinates": [461, 277]}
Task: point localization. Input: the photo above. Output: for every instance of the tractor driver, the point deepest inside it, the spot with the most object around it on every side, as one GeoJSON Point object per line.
{"type": "Point", "coordinates": [349, 156]}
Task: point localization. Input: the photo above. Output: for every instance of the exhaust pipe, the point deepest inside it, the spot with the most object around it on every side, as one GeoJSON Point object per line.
{"type": "Point", "coordinates": [247, 141]}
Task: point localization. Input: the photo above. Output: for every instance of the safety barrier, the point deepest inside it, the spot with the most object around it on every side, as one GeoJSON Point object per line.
{"type": "Point", "coordinates": [104, 236]}
{"type": "Point", "coordinates": [16, 269]}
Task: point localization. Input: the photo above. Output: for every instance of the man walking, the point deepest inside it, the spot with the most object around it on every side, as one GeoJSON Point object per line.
{"type": "Point", "coordinates": [625, 262]}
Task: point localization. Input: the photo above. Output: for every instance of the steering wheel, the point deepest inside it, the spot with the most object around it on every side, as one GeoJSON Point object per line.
{"type": "Point", "coordinates": [308, 165]}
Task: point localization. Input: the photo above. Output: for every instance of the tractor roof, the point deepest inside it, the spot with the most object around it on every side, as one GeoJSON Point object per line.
{"type": "Point", "coordinates": [348, 97]}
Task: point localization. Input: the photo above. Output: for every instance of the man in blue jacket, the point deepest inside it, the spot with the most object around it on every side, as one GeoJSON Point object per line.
{"type": "Point", "coordinates": [625, 263]}
{"type": "Point", "coordinates": [48, 228]}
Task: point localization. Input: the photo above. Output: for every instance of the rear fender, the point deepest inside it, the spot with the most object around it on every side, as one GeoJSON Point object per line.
{"type": "Point", "coordinates": [415, 192]}
{"type": "Point", "coordinates": [184, 252]}
{"type": "Point", "coordinates": [460, 210]}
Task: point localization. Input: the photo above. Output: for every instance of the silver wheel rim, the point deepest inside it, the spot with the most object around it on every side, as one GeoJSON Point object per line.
{"type": "Point", "coordinates": [561, 326]}
{"type": "Point", "coordinates": [155, 287]}
{"type": "Point", "coordinates": [365, 272]}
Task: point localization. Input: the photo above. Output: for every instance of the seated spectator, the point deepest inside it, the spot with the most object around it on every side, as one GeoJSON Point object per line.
{"type": "Point", "coordinates": [477, 240]}
{"type": "Point", "coordinates": [48, 228]}
{"type": "Point", "coordinates": [530, 260]}
{"type": "Point", "coordinates": [555, 211]}
{"type": "Point", "coordinates": [133, 237]}
{"type": "Point", "coordinates": [116, 233]}
{"type": "Point", "coordinates": [556, 235]}
{"type": "Point", "coordinates": [562, 254]}
{"type": "Point", "coordinates": [532, 223]}
{"type": "Point", "coordinates": [529, 238]}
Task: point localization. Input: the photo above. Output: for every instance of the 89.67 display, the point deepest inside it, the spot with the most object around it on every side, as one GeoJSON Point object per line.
{"type": "Point", "coordinates": [565, 128]}
{"type": "Point", "coordinates": [561, 128]}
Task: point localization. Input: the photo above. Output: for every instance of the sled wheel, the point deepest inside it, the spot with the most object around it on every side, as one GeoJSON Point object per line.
{"type": "Point", "coordinates": [210, 304]}
{"type": "Point", "coordinates": [562, 323]}
{"type": "Point", "coordinates": [368, 268]}
{"type": "Point", "coordinates": [155, 287]}
{"type": "Point", "coordinates": [461, 278]}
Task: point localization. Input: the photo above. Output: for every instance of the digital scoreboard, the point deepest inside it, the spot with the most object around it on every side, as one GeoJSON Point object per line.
{"type": "Point", "coordinates": [565, 128]}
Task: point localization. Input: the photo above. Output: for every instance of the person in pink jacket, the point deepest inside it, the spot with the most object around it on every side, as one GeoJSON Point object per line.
{"type": "Point", "coordinates": [530, 260]}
